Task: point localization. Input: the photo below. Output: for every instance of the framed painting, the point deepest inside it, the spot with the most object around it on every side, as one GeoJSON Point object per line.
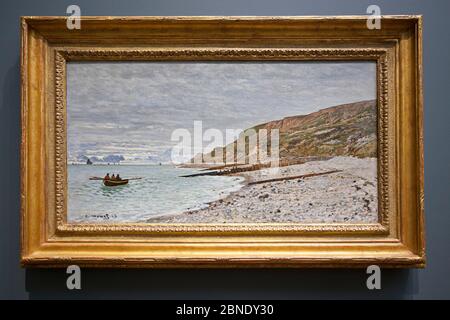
{"type": "Point", "coordinates": [222, 142]}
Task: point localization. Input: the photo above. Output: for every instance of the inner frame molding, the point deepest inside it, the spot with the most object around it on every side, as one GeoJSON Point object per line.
{"type": "Point", "coordinates": [48, 240]}
{"type": "Point", "coordinates": [220, 54]}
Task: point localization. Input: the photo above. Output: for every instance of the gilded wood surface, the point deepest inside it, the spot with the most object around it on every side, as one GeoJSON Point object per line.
{"type": "Point", "coordinates": [397, 241]}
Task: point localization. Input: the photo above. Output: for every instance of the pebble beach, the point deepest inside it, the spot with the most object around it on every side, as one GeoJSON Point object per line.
{"type": "Point", "coordinates": [346, 195]}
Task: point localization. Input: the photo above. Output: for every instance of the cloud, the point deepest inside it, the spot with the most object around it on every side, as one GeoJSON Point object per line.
{"type": "Point", "coordinates": [131, 108]}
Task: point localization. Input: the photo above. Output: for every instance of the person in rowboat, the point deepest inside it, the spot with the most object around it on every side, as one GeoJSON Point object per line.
{"type": "Point", "coordinates": [113, 177]}
{"type": "Point", "coordinates": [118, 178]}
{"type": "Point", "coordinates": [107, 177]}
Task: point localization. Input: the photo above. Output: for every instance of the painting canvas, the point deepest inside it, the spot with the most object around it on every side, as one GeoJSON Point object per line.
{"type": "Point", "coordinates": [222, 142]}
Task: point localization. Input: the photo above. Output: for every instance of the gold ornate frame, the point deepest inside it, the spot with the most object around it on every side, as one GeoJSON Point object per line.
{"type": "Point", "coordinates": [48, 240]}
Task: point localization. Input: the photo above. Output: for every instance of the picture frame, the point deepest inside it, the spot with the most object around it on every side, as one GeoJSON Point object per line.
{"type": "Point", "coordinates": [49, 240]}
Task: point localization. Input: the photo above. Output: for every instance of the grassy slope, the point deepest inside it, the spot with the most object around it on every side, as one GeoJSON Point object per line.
{"type": "Point", "coordinates": [344, 130]}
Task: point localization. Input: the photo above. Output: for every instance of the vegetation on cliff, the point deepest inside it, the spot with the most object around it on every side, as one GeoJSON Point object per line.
{"type": "Point", "coordinates": [343, 130]}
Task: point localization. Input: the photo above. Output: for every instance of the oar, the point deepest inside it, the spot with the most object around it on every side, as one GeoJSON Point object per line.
{"type": "Point", "coordinates": [95, 178]}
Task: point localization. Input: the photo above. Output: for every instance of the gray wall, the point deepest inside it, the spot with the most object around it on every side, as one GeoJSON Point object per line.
{"type": "Point", "coordinates": [432, 282]}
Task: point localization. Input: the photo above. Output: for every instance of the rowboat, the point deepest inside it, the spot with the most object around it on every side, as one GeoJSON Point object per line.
{"type": "Point", "coordinates": [115, 183]}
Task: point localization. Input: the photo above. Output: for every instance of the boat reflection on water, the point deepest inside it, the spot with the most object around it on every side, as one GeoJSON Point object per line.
{"type": "Point", "coordinates": [114, 192]}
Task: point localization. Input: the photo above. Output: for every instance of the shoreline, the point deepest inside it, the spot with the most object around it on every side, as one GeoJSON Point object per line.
{"type": "Point", "coordinates": [347, 195]}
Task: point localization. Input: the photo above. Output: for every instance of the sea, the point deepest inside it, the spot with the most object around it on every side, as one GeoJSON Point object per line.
{"type": "Point", "coordinates": [160, 191]}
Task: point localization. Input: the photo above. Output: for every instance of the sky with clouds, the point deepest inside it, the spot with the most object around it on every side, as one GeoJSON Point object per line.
{"type": "Point", "coordinates": [132, 108]}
